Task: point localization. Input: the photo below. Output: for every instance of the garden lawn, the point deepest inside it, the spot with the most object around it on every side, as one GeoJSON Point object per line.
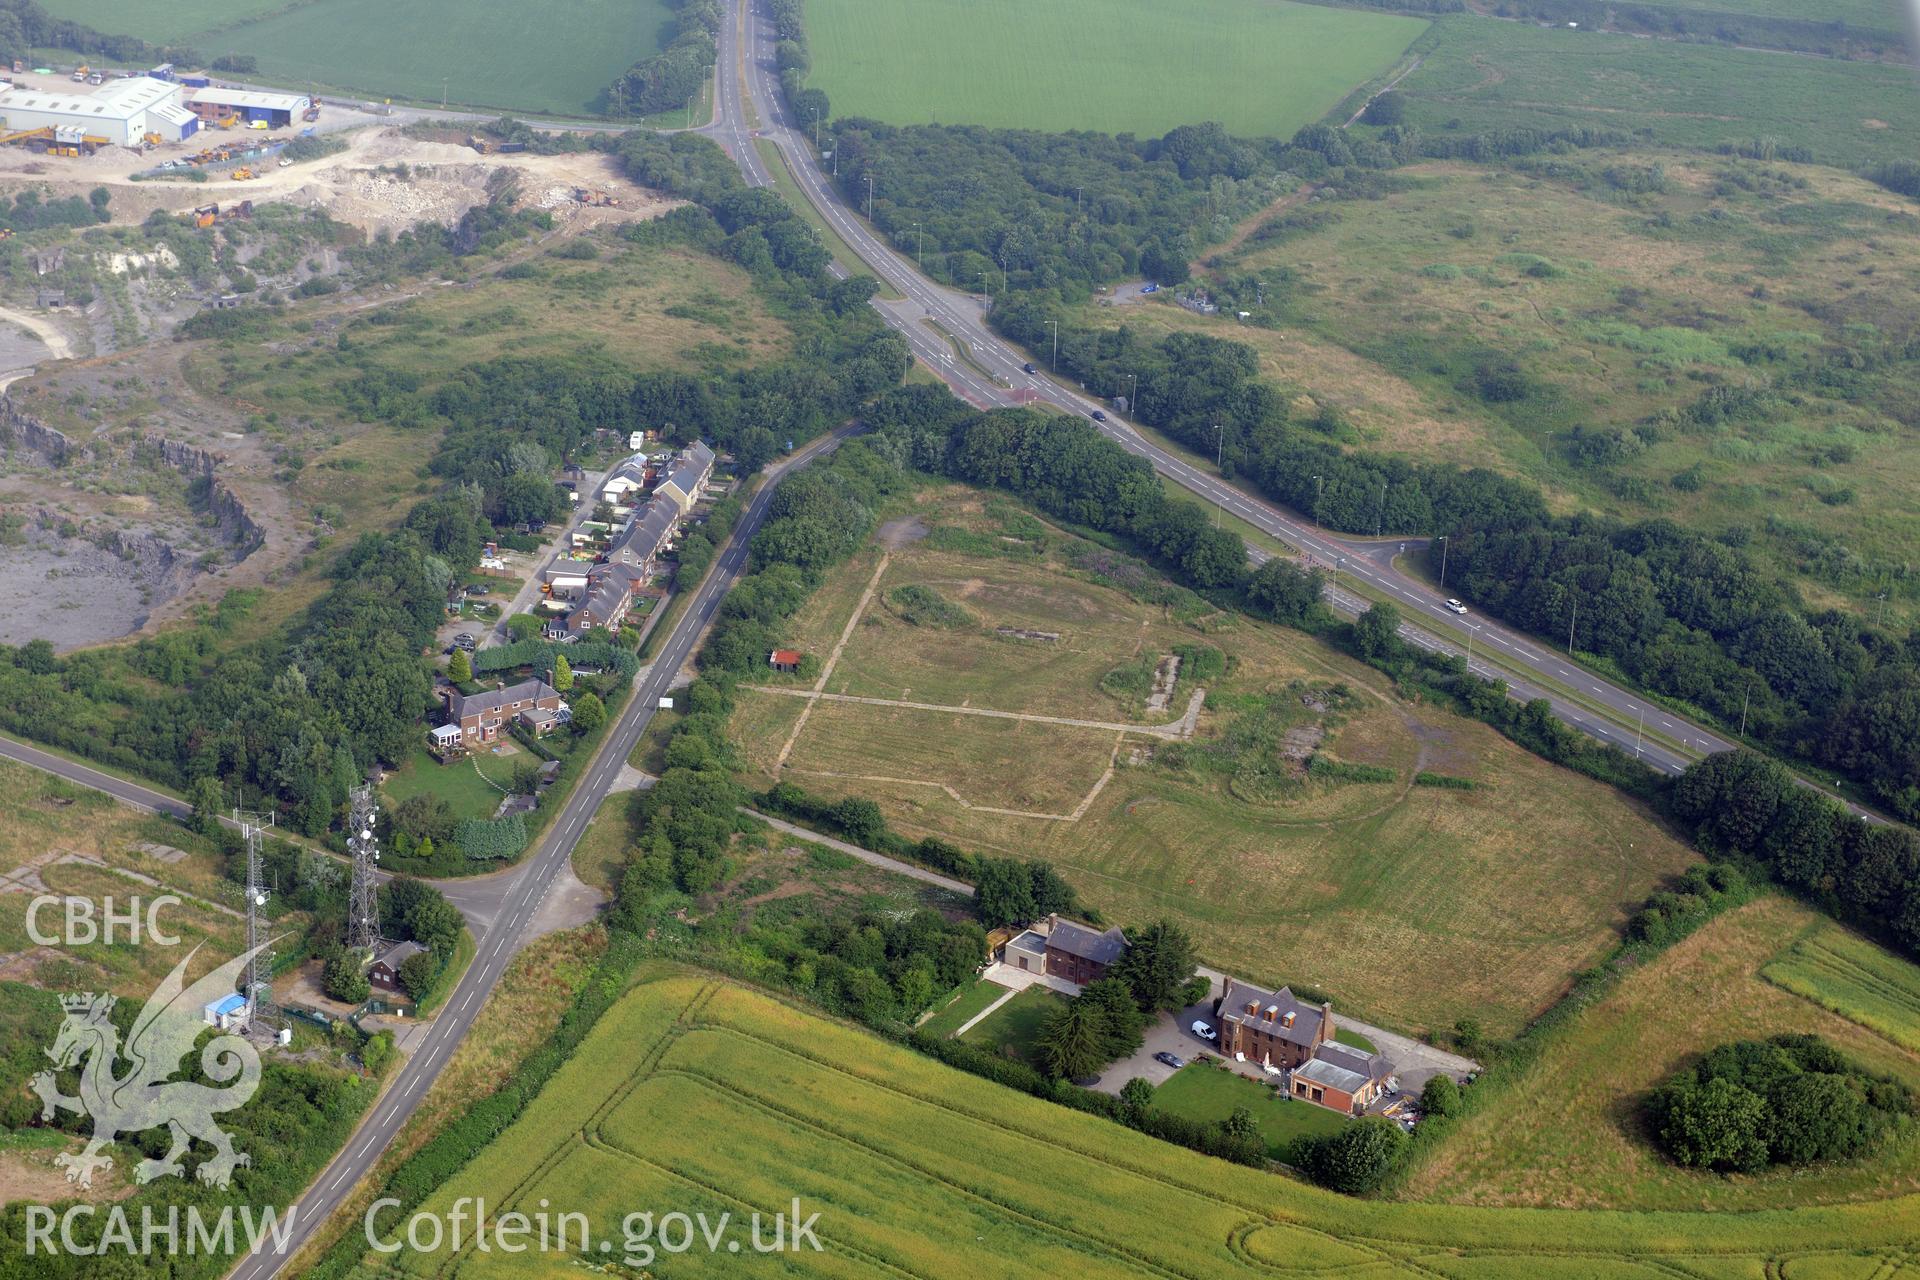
{"type": "Point", "coordinates": [1014, 1028]}
{"type": "Point", "coordinates": [1260, 67]}
{"type": "Point", "coordinates": [1204, 1092]}
{"type": "Point", "coordinates": [965, 1004]}
{"type": "Point", "coordinates": [460, 783]}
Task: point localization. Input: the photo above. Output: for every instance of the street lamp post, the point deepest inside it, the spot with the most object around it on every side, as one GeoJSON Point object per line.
{"type": "Point", "coordinates": [1133, 394]}
{"type": "Point", "coordinates": [869, 196]}
{"type": "Point", "coordinates": [1053, 364]}
{"type": "Point", "coordinates": [1443, 562]}
{"type": "Point", "coordinates": [1472, 632]}
{"type": "Point", "coordinates": [1318, 485]}
{"type": "Point", "coordinates": [1380, 510]}
{"type": "Point", "coordinates": [1570, 621]}
{"type": "Point", "coordinates": [920, 250]}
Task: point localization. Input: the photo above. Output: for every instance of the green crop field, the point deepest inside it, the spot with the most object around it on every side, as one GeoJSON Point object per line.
{"type": "Point", "coordinates": [1260, 67]}
{"type": "Point", "coordinates": [1491, 75]}
{"type": "Point", "coordinates": [697, 1096]}
{"type": "Point", "coordinates": [489, 53]}
{"type": "Point", "coordinates": [1470, 903]}
{"type": "Point", "coordinates": [1625, 285]}
{"type": "Point", "coordinates": [1566, 1133]}
{"type": "Point", "coordinates": [1861, 982]}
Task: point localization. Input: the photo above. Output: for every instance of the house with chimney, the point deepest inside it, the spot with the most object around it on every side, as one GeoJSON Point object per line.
{"type": "Point", "coordinates": [1060, 948]}
{"type": "Point", "coordinates": [686, 476]}
{"type": "Point", "coordinates": [1285, 1035]}
{"type": "Point", "coordinates": [486, 717]}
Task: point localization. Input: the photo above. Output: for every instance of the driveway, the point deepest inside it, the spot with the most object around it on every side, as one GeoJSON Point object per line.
{"type": "Point", "coordinates": [1414, 1062]}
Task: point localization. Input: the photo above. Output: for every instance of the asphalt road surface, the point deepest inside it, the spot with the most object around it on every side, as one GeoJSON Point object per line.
{"type": "Point", "coordinates": [990, 374]}
{"type": "Point", "coordinates": [526, 890]}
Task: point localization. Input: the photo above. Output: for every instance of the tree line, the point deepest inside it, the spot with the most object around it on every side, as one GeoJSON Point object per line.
{"type": "Point", "coordinates": [670, 77]}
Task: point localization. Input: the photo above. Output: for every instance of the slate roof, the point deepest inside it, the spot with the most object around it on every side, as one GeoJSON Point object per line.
{"type": "Point", "coordinates": [1322, 1072]}
{"type": "Point", "coordinates": [460, 706]}
{"type": "Point", "coordinates": [1344, 1056]}
{"type": "Point", "coordinates": [647, 532]}
{"type": "Point", "coordinates": [399, 953]}
{"type": "Point", "coordinates": [1306, 1018]}
{"type": "Point", "coordinates": [1078, 940]}
{"type": "Point", "coordinates": [689, 467]}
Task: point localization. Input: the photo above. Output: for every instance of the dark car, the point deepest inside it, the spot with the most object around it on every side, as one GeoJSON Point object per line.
{"type": "Point", "coordinates": [1028, 368]}
{"type": "Point", "coordinates": [1099, 416]}
{"type": "Point", "coordinates": [1170, 1060]}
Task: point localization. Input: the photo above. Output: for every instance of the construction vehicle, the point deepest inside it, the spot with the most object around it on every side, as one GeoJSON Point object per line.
{"type": "Point", "coordinates": [234, 212]}
{"type": "Point", "coordinates": [485, 146]}
{"type": "Point", "coordinates": [27, 135]}
{"type": "Point", "coordinates": [226, 121]}
{"type": "Point", "coordinates": [80, 73]}
{"type": "Point", "coordinates": [594, 197]}
{"type": "Point", "coordinates": [206, 215]}
{"type": "Point", "coordinates": [152, 139]}
{"type": "Point", "coordinates": [312, 112]}
{"type": "Point", "coordinates": [244, 173]}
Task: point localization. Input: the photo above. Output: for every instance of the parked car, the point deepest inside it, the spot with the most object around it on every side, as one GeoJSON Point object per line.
{"type": "Point", "coordinates": [1150, 288]}
{"type": "Point", "coordinates": [465, 640]}
{"type": "Point", "coordinates": [1099, 416]}
{"type": "Point", "coordinates": [1028, 368]}
{"type": "Point", "coordinates": [1454, 606]}
{"type": "Point", "coordinates": [1204, 1031]}
{"type": "Point", "coordinates": [1170, 1060]}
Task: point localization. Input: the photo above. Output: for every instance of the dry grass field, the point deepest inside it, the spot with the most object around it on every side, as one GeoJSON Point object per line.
{"type": "Point", "coordinates": [60, 839]}
{"type": "Point", "coordinates": [916, 1169]}
{"type": "Point", "coordinates": [1412, 905]}
{"type": "Point", "coordinates": [1621, 285]}
{"type": "Point", "coordinates": [1566, 1135]}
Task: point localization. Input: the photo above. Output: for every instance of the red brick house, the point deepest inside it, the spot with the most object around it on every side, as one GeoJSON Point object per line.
{"type": "Point", "coordinates": [1270, 1028]}
{"type": "Point", "coordinates": [485, 717]}
{"type": "Point", "coordinates": [1341, 1078]}
{"type": "Point", "coordinates": [1078, 954]}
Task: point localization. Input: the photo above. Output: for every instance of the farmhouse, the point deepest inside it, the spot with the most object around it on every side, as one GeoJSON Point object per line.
{"type": "Point", "coordinates": [482, 717]}
{"type": "Point", "coordinates": [686, 474]}
{"type": "Point", "coordinates": [1279, 1032]}
{"type": "Point", "coordinates": [119, 114]}
{"type": "Point", "coordinates": [385, 970]}
{"type": "Point", "coordinates": [1270, 1027]}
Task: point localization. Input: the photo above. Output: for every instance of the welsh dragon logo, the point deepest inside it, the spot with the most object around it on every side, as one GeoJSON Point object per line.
{"type": "Point", "coordinates": [145, 1096]}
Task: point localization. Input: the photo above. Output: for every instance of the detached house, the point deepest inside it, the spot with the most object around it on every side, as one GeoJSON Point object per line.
{"type": "Point", "coordinates": [1279, 1032]}
{"type": "Point", "coordinates": [484, 717]}
{"type": "Point", "coordinates": [1062, 949]}
{"type": "Point", "coordinates": [1270, 1027]}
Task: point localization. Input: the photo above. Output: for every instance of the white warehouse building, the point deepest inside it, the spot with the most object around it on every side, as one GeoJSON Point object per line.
{"type": "Point", "coordinates": [121, 111]}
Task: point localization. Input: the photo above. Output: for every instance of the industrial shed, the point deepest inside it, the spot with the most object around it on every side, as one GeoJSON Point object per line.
{"type": "Point", "coordinates": [122, 111]}
{"type": "Point", "coordinates": [276, 109]}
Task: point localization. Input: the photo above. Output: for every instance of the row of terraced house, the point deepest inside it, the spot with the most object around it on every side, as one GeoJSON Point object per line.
{"type": "Point", "coordinates": [610, 563]}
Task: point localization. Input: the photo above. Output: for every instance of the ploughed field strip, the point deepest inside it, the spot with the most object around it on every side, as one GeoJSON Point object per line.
{"type": "Point", "coordinates": [701, 1096]}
